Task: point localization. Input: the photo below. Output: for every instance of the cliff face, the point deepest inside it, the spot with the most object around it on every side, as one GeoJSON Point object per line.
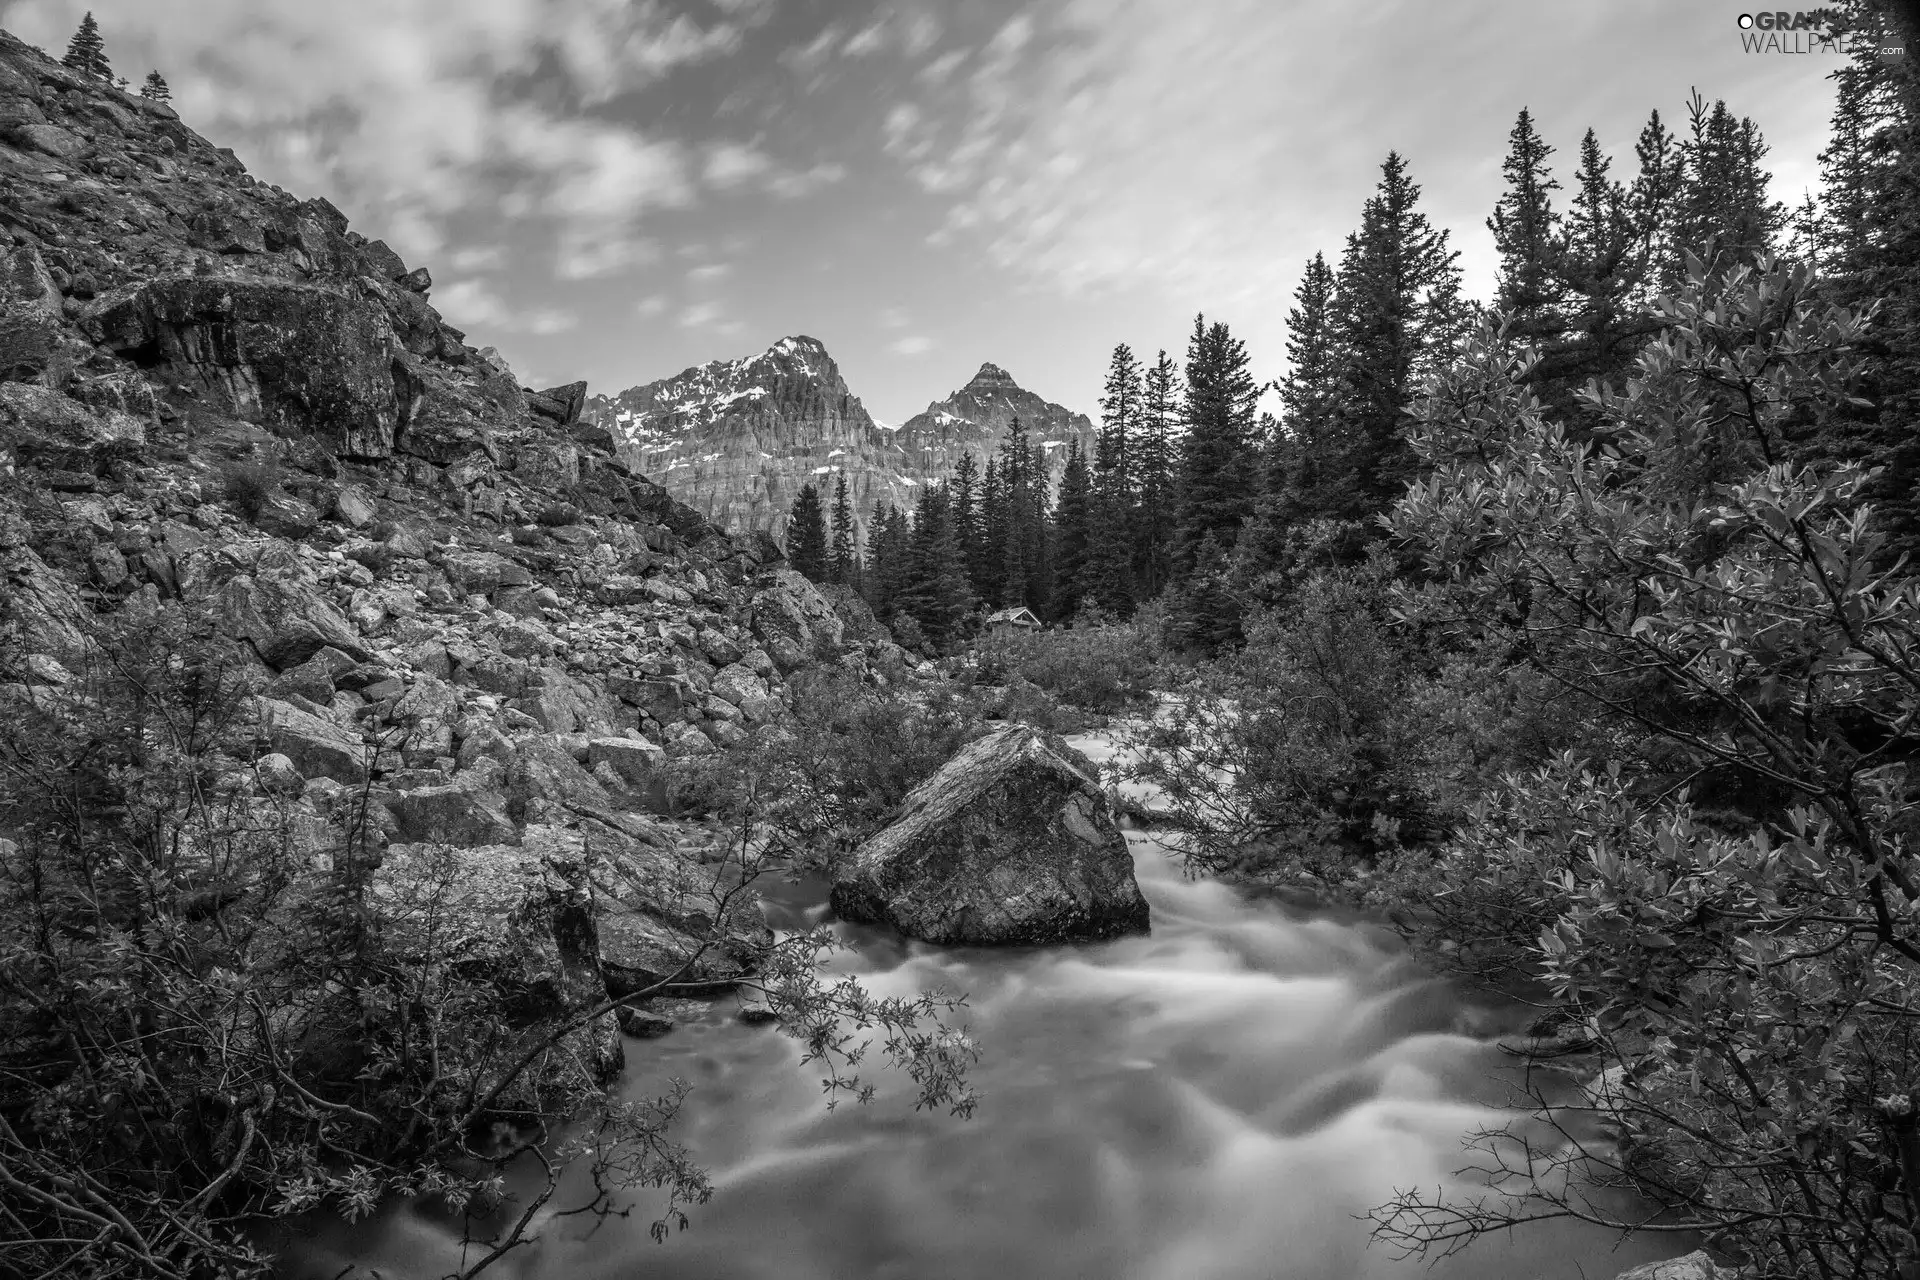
{"type": "Point", "coordinates": [736, 439]}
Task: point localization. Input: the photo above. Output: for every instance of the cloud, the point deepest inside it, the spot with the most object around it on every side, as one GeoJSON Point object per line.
{"type": "Point", "coordinates": [709, 316]}
{"type": "Point", "coordinates": [707, 272]}
{"type": "Point", "coordinates": [413, 113]}
{"type": "Point", "coordinates": [912, 344]}
{"type": "Point", "coordinates": [731, 164]}
{"type": "Point", "coordinates": [893, 318]}
{"type": "Point", "coordinates": [476, 305]}
{"type": "Point", "coordinates": [651, 305]}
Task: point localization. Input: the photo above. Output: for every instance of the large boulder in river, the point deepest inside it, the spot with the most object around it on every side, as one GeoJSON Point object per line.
{"type": "Point", "coordinates": [1011, 842]}
{"type": "Point", "coordinates": [1694, 1266]}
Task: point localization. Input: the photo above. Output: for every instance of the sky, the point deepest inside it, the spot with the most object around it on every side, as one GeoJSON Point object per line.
{"type": "Point", "coordinates": [617, 189]}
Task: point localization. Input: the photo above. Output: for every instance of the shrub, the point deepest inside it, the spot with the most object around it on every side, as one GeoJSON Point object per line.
{"type": "Point", "coordinates": [249, 486]}
{"type": "Point", "coordinates": [1098, 665]}
{"type": "Point", "coordinates": [205, 1022]}
{"type": "Point", "coordinates": [1752, 986]}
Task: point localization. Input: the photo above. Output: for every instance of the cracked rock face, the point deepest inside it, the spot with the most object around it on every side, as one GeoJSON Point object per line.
{"type": "Point", "coordinates": [1012, 842]}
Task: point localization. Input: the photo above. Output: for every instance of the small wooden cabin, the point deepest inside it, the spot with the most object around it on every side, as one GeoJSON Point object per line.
{"type": "Point", "coordinates": [1020, 619]}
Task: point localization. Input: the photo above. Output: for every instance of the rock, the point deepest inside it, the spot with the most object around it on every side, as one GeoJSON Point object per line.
{"type": "Point", "coordinates": [636, 761]}
{"type": "Point", "coordinates": [545, 781]}
{"type": "Point", "coordinates": [50, 139]}
{"type": "Point", "coordinates": [791, 617]}
{"type": "Point", "coordinates": [281, 611]}
{"type": "Point", "coordinates": [316, 746]}
{"type": "Point", "coordinates": [1694, 1266]}
{"type": "Point", "coordinates": [521, 918]}
{"type": "Point", "coordinates": [451, 815]}
{"type": "Point", "coordinates": [686, 740]}
{"type": "Point", "coordinates": [641, 1025]}
{"type": "Point", "coordinates": [418, 280]}
{"type": "Point", "coordinates": [285, 516]}
{"type": "Point", "coordinates": [278, 774]}
{"type": "Point", "coordinates": [41, 425]}
{"type": "Point", "coordinates": [1011, 842]}
{"type": "Point", "coordinates": [354, 507]}
{"type": "Point", "coordinates": [560, 404]}
{"type": "Point", "coordinates": [279, 353]}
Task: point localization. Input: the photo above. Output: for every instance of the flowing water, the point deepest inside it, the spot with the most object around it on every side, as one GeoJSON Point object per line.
{"type": "Point", "coordinates": [1216, 1101]}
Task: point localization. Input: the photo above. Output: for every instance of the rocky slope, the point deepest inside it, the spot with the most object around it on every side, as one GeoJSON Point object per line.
{"type": "Point", "coordinates": [456, 600]}
{"type": "Point", "coordinates": [736, 439]}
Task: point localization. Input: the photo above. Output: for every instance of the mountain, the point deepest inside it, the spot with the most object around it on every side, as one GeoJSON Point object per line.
{"type": "Point", "coordinates": [976, 418]}
{"type": "Point", "coordinates": [736, 439]}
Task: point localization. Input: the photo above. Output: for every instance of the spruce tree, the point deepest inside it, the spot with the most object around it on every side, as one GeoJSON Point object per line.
{"type": "Point", "coordinates": [1722, 198]}
{"type": "Point", "coordinates": [934, 590]}
{"type": "Point", "coordinates": [1072, 534]}
{"type": "Point", "coordinates": [988, 567]}
{"type": "Point", "coordinates": [1870, 250]}
{"type": "Point", "coordinates": [1525, 228]}
{"type": "Point", "coordinates": [807, 535]}
{"type": "Point", "coordinates": [1219, 456]}
{"type": "Point", "coordinates": [1154, 463]}
{"type": "Point", "coordinates": [844, 560]}
{"type": "Point", "coordinates": [87, 51]}
{"type": "Point", "coordinates": [1111, 514]}
{"type": "Point", "coordinates": [1305, 471]}
{"type": "Point", "coordinates": [1399, 314]}
{"type": "Point", "coordinates": [155, 89]}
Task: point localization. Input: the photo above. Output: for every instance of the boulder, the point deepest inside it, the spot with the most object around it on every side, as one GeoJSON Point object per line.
{"type": "Point", "coordinates": [1011, 842]}
{"type": "Point", "coordinates": [657, 911]}
{"type": "Point", "coordinates": [545, 782]}
{"type": "Point", "coordinates": [280, 353]}
{"type": "Point", "coordinates": [41, 425]}
{"type": "Point", "coordinates": [315, 745]}
{"type": "Point", "coordinates": [1694, 1266]}
{"type": "Point", "coordinates": [561, 405]}
{"type": "Point", "coordinates": [285, 617]}
{"type": "Point", "coordinates": [793, 620]}
{"type": "Point", "coordinates": [452, 815]}
{"type": "Point", "coordinates": [520, 918]}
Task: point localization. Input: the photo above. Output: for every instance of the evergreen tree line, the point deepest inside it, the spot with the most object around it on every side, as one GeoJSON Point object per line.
{"type": "Point", "coordinates": [87, 53]}
{"type": "Point", "coordinates": [1190, 494]}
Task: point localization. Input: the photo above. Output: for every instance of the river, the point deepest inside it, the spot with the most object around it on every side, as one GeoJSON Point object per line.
{"type": "Point", "coordinates": [1215, 1101]}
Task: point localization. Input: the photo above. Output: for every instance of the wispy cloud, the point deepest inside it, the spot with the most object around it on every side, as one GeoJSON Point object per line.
{"type": "Point", "coordinates": [912, 344]}
{"type": "Point", "coordinates": [709, 316]}
{"type": "Point", "coordinates": [477, 306]}
{"type": "Point", "coordinates": [414, 113]}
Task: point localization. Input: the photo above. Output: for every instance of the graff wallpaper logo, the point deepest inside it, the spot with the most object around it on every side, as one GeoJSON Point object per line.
{"type": "Point", "coordinates": [1802, 31]}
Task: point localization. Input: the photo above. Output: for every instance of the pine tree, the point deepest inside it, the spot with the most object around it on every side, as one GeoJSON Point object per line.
{"type": "Point", "coordinates": [935, 591]}
{"type": "Point", "coordinates": [844, 562]}
{"type": "Point", "coordinates": [1652, 206]}
{"type": "Point", "coordinates": [1722, 197]}
{"type": "Point", "coordinates": [1154, 471]}
{"type": "Point", "coordinates": [1525, 228]}
{"type": "Point", "coordinates": [1304, 470]}
{"type": "Point", "coordinates": [155, 89]}
{"type": "Point", "coordinates": [1870, 250]}
{"type": "Point", "coordinates": [1072, 534]}
{"type": "Point", "coordinates": [964, 486]}
{"type": "Point", "coordinates": [1108, 573]}
{"type": "Point", "coordinates": [807, 535]}
{"type": "Point", "coordinates": [988, 568]}
{"type": "Point", "coordinates": [1219, 457]}
{"type": "Point", "coordinates": [87, 51]}
{"type": "Point", "coordinates": [1399, 314]}
{"type": "Point", "coordinates": [1023, 478]}
{"type": "Point", "coordinates": [885, 571]}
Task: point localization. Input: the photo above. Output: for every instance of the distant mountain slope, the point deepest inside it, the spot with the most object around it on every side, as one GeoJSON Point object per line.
{"type": "Point", "coordinates": [736, 439]}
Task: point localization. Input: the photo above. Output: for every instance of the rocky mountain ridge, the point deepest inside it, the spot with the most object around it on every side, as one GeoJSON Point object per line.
{"type": "Point", "coordinates": [736, 439]}
{"type": "Point", "coordinates": [454, 604]}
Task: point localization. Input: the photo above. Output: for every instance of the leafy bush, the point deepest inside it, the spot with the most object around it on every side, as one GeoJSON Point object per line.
{"type": "Point", "coordinates": [1097, 664]}
{"type": "Point", "coordinates": [208, 1019]}
{"type": "Point", "coordinates": [1753, 987]}
{"type": "Point", "coordinates": [841, 768]}
{"type": "Point", "coordinates": [249, 486]}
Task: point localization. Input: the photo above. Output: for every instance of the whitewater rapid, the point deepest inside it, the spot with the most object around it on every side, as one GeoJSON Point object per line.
{"type": "Point", "coordinates": [1219, 1100]}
